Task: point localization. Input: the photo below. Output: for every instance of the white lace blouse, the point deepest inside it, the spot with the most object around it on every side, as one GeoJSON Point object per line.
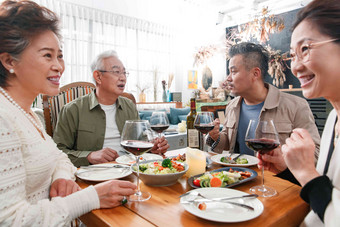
{"type": "Point", "coordinates": [28, 166]}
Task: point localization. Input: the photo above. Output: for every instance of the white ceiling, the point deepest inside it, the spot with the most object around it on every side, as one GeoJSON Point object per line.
{"type": "Point", "coordinates": [223, 12]}
{"type": "Point", "coordinates": [232, 12]}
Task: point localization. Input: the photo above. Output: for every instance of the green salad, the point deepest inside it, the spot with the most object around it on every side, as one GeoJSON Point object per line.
{"type": "Point", "coordinates": [161, 167]}
{"type": "Point", "coordinates": [220, 179]}
{"type": "Point", "coordinates": [231, 161]}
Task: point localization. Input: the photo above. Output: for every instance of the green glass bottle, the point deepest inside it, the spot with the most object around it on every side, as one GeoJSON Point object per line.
{"type": "Point", "coordinates": [193, 135]}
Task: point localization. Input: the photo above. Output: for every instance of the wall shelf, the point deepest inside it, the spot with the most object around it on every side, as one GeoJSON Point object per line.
{"type": "Point", "coordinates": [291, 89]}
{"type": "Point", "coordinates": [177, 104]}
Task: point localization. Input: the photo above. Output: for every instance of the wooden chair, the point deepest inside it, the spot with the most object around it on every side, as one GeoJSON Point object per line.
{"type": "Point", "coordinates": [129, 96]}
{"type": "Point", "coordinates": [53, 104]}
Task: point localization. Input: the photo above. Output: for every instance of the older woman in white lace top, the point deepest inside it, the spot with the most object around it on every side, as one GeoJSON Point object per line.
{"type": "Point", "coordinates": [37, 185]}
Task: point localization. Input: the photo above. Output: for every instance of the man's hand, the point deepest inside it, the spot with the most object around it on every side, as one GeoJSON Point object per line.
{"type": "Point", "coordinates": [63, 187]}
{"type": "Point", "coordinates": [215, 133]}
{"type": "Point", "coordinates": [160, 146]}
{"type": "Point", "coordinates": [102, 156]}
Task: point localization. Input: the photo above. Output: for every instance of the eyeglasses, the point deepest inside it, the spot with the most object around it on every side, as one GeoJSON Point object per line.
{"type": "Point", "coordinates": [116, 73]}
{"type": "Point", "coordinates": [303, 52]}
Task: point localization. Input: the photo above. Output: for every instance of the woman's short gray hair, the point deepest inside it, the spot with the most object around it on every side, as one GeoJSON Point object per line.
{"type": "Point", "coordinates": [97, 63]}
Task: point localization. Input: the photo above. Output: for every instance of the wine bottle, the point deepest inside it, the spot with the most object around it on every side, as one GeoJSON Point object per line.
{"type": "Point", "coordinates": [193, 135]}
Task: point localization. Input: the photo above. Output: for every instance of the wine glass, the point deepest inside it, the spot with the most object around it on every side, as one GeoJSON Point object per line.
{"type": "Point", "coordinates": [136, 138]}
{"type": "Point", "coordinates": [204, 123]}
{"type": "Point", "coordinates": [262, 137]}
{"type": "Point", "coordinates": [159, 122]}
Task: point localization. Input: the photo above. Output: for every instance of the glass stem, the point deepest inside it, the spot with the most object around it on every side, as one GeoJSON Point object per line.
{"type": "Point", "coordinates": [159, 135]}
{"type": "Point", "coordinates": [262, 172]}
{"type": "Point", "coordinates": [138, 187]}
{"type": "Point", "coordinates": [203, 144]}
{"type": "Point", "coordinates": [202, 141]}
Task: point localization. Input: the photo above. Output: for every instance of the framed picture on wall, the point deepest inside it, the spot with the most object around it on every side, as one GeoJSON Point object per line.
{"type": "Point", "coordinates": [192, 79]}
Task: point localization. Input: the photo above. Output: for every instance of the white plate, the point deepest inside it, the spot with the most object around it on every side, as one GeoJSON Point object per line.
{"type": "Point", "coordinates": [223, 212]}
{"type": "Point", "coordinates": [99, 175]}
{"type": "Point", "coordinates": [130, 159]}
{"type": "Point", "coordinates": [251, 160]}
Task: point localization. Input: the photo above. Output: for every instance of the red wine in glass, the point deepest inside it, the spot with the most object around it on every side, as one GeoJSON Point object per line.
{"type": "Point", "coordinates": [204, 123]}
{"type": "Point", "coordinates": [159, 128]}
{"type": "Point", "coordinates": [136, 147]}
{"type": "Point", "coordinates": [262, 145]}
{"type": "Point", "coordinates": [136, 139]}
{"type": "Point", "coordinates": [159, 122]}
{"type": "Point", "coordinates": [204, 128]}
{"type": "Point", "coordinates": [262, 137]}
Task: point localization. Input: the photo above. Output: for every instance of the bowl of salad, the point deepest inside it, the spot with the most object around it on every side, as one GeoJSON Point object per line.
{"type": "Point", "coordinates": [158, 173]}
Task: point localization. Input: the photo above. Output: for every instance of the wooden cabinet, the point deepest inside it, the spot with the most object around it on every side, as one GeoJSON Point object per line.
{"type": "Point", "coordinates": [217, 108]}
{"type": "Point", "coordinates": [213, 108]}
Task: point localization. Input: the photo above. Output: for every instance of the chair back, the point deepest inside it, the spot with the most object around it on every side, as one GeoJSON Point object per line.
{"type": "Point", "coordinates": [129, 96]}
{"type": "Point", "coordinates": [53, 104]}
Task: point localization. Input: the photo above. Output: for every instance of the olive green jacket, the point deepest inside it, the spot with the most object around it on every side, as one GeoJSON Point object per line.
{"type": "Point", "coordinates": [81, 126]}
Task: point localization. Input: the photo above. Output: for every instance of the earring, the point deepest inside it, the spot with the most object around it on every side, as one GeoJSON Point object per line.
{"type": "Point", "coordinates": [11, 71]}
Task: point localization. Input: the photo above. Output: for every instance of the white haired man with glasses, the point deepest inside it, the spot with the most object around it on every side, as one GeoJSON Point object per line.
{"type": "Point", "coordinates": [88, 129]}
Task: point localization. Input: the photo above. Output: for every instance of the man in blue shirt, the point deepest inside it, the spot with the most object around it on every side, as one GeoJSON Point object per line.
{"type": "Point", "coordinates": [258, 100]}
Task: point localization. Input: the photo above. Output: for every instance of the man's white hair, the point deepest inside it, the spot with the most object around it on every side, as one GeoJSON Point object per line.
{"type": "Point", "coordinates": [97, 63]}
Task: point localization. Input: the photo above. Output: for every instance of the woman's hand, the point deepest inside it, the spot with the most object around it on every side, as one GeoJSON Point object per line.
{"type": "Point", "coordinates": [298, 153]}
{"type": "Point", "coordinates": [111, 193]}
{"type": "Point", "coordinates": [160, 146]}
{"type": "Point", "coordinates": [272, 161]}
{"type": "Point", "coordinates": [215, 133]}
{"type": "Point", "coordinates": [62, 187]}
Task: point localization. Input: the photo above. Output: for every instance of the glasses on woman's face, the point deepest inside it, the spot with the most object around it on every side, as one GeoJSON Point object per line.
{"type": "Point", "coordinates": [302, 53]}
{"type": "Point", "coordinates": [116, 73]}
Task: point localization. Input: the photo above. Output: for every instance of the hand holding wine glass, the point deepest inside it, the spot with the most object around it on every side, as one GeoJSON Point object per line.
{"type": "Point", "coordinates": [136, 138]}
{"type": "Point", "coordinates": [204, 122]}
{"type": "Point", "coordinates": [262, 137]}
{"type": "Point", "coordinates": [159, 122]}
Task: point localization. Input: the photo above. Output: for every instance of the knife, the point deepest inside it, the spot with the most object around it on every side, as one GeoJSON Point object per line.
{"type": "Point", "coordinates": [221, 199]}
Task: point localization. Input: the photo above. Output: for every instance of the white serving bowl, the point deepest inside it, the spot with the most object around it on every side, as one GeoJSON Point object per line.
{"type": "Point", "coordinates": [159, 180]}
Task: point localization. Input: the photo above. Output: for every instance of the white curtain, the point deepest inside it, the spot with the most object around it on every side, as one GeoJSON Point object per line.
{"type": "Point", "coordinates": [145, 48]}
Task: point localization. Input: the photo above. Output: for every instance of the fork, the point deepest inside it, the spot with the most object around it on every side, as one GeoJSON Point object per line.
{"type": "Point", "coordinates": [229, 156]}
{"type": "Point", "coordinates": [194, 193]}
{"type": "Point", "coordinates": [227, 198]}
{"type": "Point", "coordinates": [234, 159]}
{"type": "Point", "coordinates": [103, 167]}
{"type": "Point", "coordinates": [222, 200]}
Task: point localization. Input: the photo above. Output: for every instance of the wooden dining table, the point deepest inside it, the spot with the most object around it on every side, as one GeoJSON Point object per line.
{"type": "Point", "coordinates": [164, 208]}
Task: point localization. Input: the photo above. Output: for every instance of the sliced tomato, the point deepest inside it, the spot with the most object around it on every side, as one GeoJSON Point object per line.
{"type": "Point", "coordinates": [202, 206]}
{"type": "Point", "coordinates": [197, 182]}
